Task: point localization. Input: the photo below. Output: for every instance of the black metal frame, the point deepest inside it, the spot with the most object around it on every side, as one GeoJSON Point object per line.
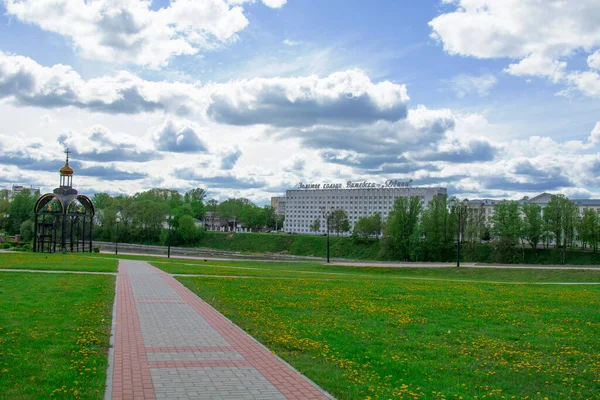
{"type": "Point", "coordinates": [67, 230]}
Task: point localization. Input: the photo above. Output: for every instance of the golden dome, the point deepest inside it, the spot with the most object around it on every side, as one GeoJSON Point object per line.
{"type": "Point", "coordinates": [66, 170]}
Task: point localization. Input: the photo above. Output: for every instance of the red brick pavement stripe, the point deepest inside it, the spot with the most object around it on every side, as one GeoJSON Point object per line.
{"type": "Point", "coordinates": [131, 372]}
{"type": "Point", "coordinates": [288, 381]}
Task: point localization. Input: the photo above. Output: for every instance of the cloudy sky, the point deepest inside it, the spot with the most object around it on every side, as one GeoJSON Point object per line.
{"type": "Point", "coordinates": [489, 98]}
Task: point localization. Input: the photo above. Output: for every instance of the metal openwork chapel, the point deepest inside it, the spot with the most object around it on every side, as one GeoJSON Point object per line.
{"type": "Point", "coordinates": [64, 219]}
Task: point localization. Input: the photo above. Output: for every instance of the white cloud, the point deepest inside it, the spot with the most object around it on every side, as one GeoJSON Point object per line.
{"type": "Point", "coordinates": [595, 135]}
{"type": "Point", "coordinates": [289, 42]}
{"type": "Point", "coordinates": [100, 144]}
{"type": "Point", "coordinates": [179, 137]}
{"type": "Point", "coordinates": [348, 96]}
{"type": "Point", "coordinates": [594, 60]}
{"type": "Point", "coordinates": [45, 120]}
{"type": "Point", "coordinates": [230, 158]}
{"type": "Point", "coordinates": [587, 82]}
{"type": "Point", "coordinates": [268, 3]}
{"type": "Point", "coordinates": [30, 84]}
{"type": "Point", "coordinates": [130, 31]}
{"type": "Point", "coordinates": [274, 3]}
{"type": "Point", "coordinates": [342, 97]}
{"type": "Point", "coordinates": [538, 65]}
{"type": "Point", "coordinates": [369, 146]}
{"type": "Point", "coordinates": [467, 84]}
{"type": "Point", "coordinates": [537, 33]}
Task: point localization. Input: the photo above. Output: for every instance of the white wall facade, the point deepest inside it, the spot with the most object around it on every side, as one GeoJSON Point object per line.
{"type": "Point", "coordinates": [303, 206]}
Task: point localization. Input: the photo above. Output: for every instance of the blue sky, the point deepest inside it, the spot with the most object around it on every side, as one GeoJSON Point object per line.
{"type": "Point", "coordinates": [490, 98]}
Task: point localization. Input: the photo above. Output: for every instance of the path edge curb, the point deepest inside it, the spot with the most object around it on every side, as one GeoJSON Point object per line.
{"type": "Point", "coordinates": [111, 348]}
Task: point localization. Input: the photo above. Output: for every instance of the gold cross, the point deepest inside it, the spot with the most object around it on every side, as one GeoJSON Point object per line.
{"type": "Point", "coordinates": [67, 152]}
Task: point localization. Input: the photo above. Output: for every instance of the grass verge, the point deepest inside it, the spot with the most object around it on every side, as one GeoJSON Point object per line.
{"type": "Point", "coordinates": [323, 271]}
{"type": "Point", "coordinates": [385, 338]}
{"type": "Point", "coordinates": [56, 262]}
{"type": "Point", "coordinates": [54, 335]}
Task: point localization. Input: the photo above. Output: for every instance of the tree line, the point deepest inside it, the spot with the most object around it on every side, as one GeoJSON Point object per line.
{"type": "Point", "coordinates": [418, 232]}
{"type": "Point", "coordinates": [429, 233]}
{"type": "Point", "coordinates": [413, 231]}
{"type": "Point", "coordinates": [145, 217]}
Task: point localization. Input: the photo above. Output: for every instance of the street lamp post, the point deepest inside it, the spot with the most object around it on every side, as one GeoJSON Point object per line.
{"type": "Point", "coordinates": [459, 207]}
{"type": "Point", "coordinates": [169, 237]}
{"type": "Point", "coordinates": [327, 215]}
{"type": "Point", "coordinates": [117, 220]}
{"type": "Point", "coordinates": [458, 237]}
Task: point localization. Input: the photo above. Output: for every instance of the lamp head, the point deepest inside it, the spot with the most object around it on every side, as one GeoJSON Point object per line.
{"type": "Point", "coordinates": [117, 220]}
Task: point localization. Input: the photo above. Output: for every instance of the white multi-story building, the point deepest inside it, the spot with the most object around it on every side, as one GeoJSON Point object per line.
{"type": "Point", "coordinates": [306, 204]}
{"type": "Point", "coordinates": [16, 189]}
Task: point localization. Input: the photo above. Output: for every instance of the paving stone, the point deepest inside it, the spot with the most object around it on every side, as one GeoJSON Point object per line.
{"type": "Point", "coordinates": [176, 325]}
{"type": "Point", "coordinates": [195, 356]}
{"type": "Point", "coordinates": [216, 382]}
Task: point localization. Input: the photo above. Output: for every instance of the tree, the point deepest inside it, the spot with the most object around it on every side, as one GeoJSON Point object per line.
{"type": "Point", "coordinates": [197, 194]}
{"type": "Point", "coordinates": [149, 220]}
{"type": "Point", "coordinates": [533, 224]}
{"type": "Point", "coordinates": [437, 228]}
{"type": "Point", "coordinates": [195, 199]}
{"type": "Point", "coordinates": [401, 225]}
{"type": "Point", "coordinates": [589, 230]}
{"type": "Point", "coordinates": [253, 216]}
{"type": "Point", "coordinates": [212, 207]}
{"type": "Point", "coordinates": [506, 228]}
{"type": "Point", "coordinates": [4, 208]}
{"type": "Point", "coordinates": [561, 217]}
{"type": "Point", "coordinates": [554, 217]}
{"type": "Point", "coordinates": [26, 230]}
{"type": "Point", "coordinates": [102, 201]}
{"type": "Point", "coordinates": [231, 209]}
{"type": "Point", "coordinates": [274, 221]}
{"type": "Point", "coordinates": [338, 221]}
{"type": "Point", "coordinates": [4, 194]}
{"type": "Point", "coordinates": [20, 210]}
{"type": "Point", "coordinates": [367, 227]}
{"type": "Point", "coordinates": [475, 224]}
{"type": "Point", "coordinates": [172, 197]}
{"type": "Point", "coordinates": [179, 212]}
{"type": "Point", "coordinates": [474, 230]}
{"type": "Point", "coordinates": [188, 231]}
{"type": "Point", "coordinates": [198, 209]}
{"type": "Point", "coordinates": [316, 225]}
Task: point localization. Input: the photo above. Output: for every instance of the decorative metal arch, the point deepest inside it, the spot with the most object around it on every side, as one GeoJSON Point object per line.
{"type": "Point", "coordinates": [86, 202]}
{"type": "Point", "coordinates": [44, 200]}
{"type": "Point", "coordinates": [64, 229]}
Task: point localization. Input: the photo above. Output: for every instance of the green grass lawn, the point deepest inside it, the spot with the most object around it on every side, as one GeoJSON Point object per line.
{"type": "Point", "coordinates": [378, 337]}
{"type": "Point", "coordinates": [319, 270]}
{"type": "Point", "coordinates": [54, 333]}
{"type": "Point", "coordinates": [57, 262]}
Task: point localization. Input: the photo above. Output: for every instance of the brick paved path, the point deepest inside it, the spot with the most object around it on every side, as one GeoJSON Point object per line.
{"type": "Point", "coordinates": [169, 344]}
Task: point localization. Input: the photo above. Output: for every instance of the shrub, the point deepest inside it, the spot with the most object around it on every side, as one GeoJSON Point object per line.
{"type": "Point", "coordinates": [26, 230]}
{"type": "Point", "coordinates": [96, 249]}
